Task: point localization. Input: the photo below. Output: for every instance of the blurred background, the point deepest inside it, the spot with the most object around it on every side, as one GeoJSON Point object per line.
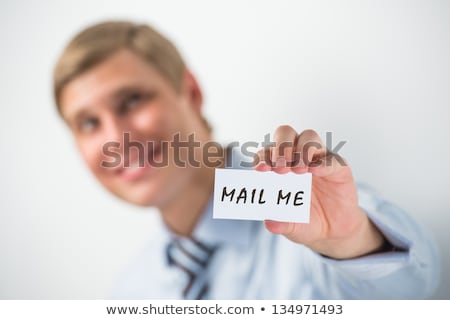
{"type": "Point", "coordinates": [375, 73]}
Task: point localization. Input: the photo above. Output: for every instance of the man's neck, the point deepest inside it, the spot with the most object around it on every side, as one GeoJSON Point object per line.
{"type": "Point", "coordinates": [183, 213]}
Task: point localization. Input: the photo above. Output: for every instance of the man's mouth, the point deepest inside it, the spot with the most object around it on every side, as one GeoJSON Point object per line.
{"type": "Point", "coordinates": [138, 165]}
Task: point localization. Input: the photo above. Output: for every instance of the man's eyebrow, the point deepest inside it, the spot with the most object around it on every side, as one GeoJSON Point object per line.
{"type": "Point", "coordinates": [78, 114]}
{"type": "Point", "coordinates": [117, 94]}
{"type": "Point", "coordinates": [125, 90]}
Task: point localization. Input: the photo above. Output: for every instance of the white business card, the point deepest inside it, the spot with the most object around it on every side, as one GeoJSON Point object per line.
{"type": "Point", "coordinates": [254, 195]}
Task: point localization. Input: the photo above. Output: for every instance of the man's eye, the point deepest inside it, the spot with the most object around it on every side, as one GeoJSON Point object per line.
{"type": "Point", "coordinates": [88, 125]}
{"type": "Point", "coordinates": [130, 102]}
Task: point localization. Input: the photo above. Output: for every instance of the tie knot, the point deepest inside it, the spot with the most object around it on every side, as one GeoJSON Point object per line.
{"type": "Point", "coordinates": [192, 257]}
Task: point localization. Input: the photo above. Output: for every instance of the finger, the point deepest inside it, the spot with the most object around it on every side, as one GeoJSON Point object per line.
{"type": "Point", "coordinates": [327, 165]}
{"type": "Point", "coordinates": [282, 153]}
{"type": "Point", "coordinates": [278, 227]}
{"type": "Point", "coordinates": [261, 160]}
{"type": "Point", "coordinates": [308, 148]}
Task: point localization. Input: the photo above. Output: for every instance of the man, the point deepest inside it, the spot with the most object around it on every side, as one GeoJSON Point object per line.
{"type": "Point", "coordinates": [118, 82]}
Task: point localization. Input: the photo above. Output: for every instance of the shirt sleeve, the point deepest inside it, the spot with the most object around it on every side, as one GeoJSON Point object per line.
{"type": "Point", "coordinates": [409, 271]}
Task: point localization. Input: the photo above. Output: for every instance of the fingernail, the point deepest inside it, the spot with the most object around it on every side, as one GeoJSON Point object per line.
{"type": "Point", "coordinates": [281, 162]}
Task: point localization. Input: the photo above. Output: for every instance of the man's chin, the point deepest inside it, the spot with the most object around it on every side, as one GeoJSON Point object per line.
{"type": "Point", "coordinates": [136, 198]}
{"type": "Point", "coordinates": [141, 201]}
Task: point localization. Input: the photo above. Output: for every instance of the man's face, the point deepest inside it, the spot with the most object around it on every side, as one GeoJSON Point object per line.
{"type": "Point", "coordinates": [125, 94]}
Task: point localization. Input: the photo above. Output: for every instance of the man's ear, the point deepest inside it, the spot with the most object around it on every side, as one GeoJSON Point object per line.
{"type": "Point", "coordinates": [193, 91]}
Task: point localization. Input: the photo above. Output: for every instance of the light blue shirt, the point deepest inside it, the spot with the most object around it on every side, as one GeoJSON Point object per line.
{"type": "Point", "coordinates": [252, 263]}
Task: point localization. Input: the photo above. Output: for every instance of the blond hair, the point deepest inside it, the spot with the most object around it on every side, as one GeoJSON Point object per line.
{"type": "Point", "coordinates": [96, 43]}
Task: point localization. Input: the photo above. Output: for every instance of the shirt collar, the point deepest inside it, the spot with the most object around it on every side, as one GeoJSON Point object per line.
{"type": "Point", "coordinates": [223, 231]}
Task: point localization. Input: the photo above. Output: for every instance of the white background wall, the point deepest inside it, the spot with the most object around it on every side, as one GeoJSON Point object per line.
{"type": "Point", "coordinates": [375, 73]}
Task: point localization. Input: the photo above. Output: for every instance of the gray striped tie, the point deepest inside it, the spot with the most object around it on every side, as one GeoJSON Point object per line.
{"type": "Point", "coordinates": [192, 257]}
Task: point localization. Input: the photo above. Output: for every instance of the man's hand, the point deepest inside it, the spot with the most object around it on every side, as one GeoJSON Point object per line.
{"type": "Point", "coordinates": [338, 228]}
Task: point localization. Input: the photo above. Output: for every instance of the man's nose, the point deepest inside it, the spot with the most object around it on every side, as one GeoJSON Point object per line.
{"type": "Point", "coordinates": [113, 131]}
{"type": "Point", "coordinates": [123, 136]}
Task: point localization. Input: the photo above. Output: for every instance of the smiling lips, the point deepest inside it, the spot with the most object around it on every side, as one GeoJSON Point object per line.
{"type": "Point", "coordinates": [135, 171]}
